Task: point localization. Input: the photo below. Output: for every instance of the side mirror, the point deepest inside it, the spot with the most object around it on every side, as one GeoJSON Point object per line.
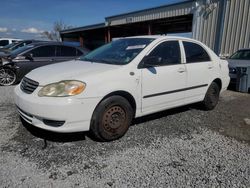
{"type": "Point", "coordinates": [29, 56]}
{"type": "Point", "coordinates": [151, 61]}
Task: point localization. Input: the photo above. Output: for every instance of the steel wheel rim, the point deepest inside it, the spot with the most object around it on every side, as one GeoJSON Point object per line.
{"type": "Point", "coordinates": [113, 119]}
{"type": "Point", "coordinates": [7, 77]}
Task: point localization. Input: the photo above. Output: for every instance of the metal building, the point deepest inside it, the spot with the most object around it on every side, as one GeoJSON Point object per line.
{"type": "Point", "coordinates": [224, 25]}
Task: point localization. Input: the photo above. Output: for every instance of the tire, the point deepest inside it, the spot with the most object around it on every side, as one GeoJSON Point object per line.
{"type": "Point", "coordinates": [212, 97]}
{"type": "Point", "coordinates": [7, 77]}
{"type": "Point", "coordinates": [111, 119]}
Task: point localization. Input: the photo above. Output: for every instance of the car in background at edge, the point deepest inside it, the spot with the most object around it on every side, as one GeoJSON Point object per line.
{"type": "Point", "coordinates": [240, 58]}
{"type": "Point", "coordinates": [14, 66]}
{"type": "Point", "coordinates": [127, 78]}
{"type": "Point", "coordinates": [6, 41]}
{"type": "Point", "coordinates": [18, 44]}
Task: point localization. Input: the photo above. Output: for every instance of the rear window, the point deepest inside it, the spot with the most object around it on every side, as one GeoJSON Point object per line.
{"type": "Point", "coordinates": [195, 53]}
{"type": "Point", "coordinates": [79, 53]}
{"type": "Point", "coordinates": [65, 51]}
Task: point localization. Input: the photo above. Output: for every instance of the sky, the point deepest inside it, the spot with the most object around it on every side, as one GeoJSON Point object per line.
{"type": "Point", "coordinates": [27, 19]}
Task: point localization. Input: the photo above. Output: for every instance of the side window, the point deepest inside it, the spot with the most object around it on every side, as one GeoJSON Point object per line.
{"type": "Point", "coordinates": [43, 51]}
{"type": "Point", "coordinates": [4, 42]}
{"type": "Point", "coordinates": [67, 51]}
{"type": "Point", "coordinates": [168, 53]}
{"type": "Point", "coordinates": [195, 53]}
{"type": "Point", "coordinates": [79, 53]}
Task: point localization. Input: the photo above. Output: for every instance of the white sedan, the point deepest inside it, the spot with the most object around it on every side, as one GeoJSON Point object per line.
{"type": "Point", "coordinates": [127, 78]}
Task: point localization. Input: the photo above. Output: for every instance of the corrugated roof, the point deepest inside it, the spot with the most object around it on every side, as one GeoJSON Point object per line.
{"type": "Point", "coordinates": [102, 25]}
{"type": "Point", "coordinates": [84, 28]}
{"type": "Point", "coordinates": [149, 9]}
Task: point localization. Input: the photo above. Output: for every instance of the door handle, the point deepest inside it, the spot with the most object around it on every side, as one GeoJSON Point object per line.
{"type": "Point", "coordinates": [181, 70]}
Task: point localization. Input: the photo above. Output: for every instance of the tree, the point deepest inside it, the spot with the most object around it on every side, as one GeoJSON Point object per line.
{"type": "Point", "coordinates": [55, 33]}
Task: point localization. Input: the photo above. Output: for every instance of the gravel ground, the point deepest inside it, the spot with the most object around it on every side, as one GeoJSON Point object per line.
{"type": "Point", "coordinates": [183, 147]}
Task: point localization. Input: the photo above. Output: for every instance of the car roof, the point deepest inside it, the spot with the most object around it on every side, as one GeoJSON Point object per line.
{"type": "Point", "coordinates": [159, 36]}
{"type": "Point", "coordinates": [242, 49]}
{"type": "Point", "coordinates": [45, 43]}
{"type": "Point", "coordinates": [165, 37]}
{"type": "Point", "coordinates": [10, 39]}
{"type": "Point", "coordinates": [37, 43]}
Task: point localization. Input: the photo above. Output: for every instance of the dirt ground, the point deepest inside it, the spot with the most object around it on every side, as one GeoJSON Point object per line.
{"type": "Point", "coordinates": [182, 147]}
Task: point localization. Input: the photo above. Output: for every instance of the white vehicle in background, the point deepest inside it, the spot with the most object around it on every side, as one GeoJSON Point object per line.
{"type": "Point", "coordinates": [127, 78]}
{"type": "Point", "coordinates": [7, 41]}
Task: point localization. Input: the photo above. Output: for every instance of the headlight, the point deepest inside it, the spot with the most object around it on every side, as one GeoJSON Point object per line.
{"type": "Point", "coordinates": [62, 89]}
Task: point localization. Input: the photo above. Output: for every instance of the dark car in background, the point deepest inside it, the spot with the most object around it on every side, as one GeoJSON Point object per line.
{"type": "Point", "coordinates": [18, 44]}
{"type": "Point", "coordinates": [240, 58]}
{"type": "Point", "coordinates": [14, 66]}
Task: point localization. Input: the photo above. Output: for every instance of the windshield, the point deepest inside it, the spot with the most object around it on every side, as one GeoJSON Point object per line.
{"type": "Point", "coordinates": [118, 52]}
{"type": "Point", "coordinates": [21, 49]}
{"type": "Point", "coordinates": [241, 55]}
{"type": "Point", "coordinates": [18, 45]}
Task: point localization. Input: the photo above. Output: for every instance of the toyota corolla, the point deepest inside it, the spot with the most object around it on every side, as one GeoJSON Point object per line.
{"type": "Point", "coordinates": [127, 78]}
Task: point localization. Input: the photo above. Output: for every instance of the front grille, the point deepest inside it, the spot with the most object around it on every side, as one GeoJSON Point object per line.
{"type": "Point", "coordinates": [28, 85]}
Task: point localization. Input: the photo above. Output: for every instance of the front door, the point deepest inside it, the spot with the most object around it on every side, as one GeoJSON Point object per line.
{"type": "Point", "coordinates": [41, 56]}
{"type": "Point", "coordinates": [163, 84]}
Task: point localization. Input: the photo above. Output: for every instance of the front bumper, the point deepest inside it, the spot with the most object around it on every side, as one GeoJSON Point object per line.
{"type": "Point", "coordinates": [57, 114]}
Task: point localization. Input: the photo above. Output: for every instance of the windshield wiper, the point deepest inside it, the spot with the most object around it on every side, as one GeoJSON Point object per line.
{"type": "Point", "coordinates": [101, 61]}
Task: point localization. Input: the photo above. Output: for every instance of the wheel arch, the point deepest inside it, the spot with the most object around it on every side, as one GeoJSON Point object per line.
{"type": "Point", "coordinates": [218, 81]}
{"type": "Point", "coordinates": [128, 96]}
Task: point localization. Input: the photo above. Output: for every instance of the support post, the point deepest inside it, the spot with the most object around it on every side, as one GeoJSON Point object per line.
{"type": "Point", "coordinates": [81, 41]}
{"type": "Point", "coordinates": [109, 35]}
{"type": "Point", "coordinates": [149, 29]}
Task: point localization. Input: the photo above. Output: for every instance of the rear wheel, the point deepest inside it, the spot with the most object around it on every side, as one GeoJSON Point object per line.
{"type": "Point", "coordinates": [212, 97]}
{"type": "Point", "coordinates": [7, 77]}
{"type": "Point", "coordinates": [111, 118]}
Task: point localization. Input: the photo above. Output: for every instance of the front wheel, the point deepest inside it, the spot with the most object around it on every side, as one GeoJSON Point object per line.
{"type": "Point", "coordinates": [7, 77]}
{"type": "Point", "coordinates": [111, 119]}
{"type": "Point", "coordinates": [212, 97]}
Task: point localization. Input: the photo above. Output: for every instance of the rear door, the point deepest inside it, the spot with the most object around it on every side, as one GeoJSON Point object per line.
{"type": "Point", "coordinates": [199, 71]}
{"type": "Point", "coordinates": [162, 85]}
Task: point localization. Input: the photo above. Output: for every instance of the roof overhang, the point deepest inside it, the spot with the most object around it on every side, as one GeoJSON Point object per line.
{"type": "Point", "coordinates": [84, 28]}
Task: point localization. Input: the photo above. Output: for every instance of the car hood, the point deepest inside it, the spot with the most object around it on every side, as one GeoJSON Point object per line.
{"type": "Point", "coordinates": [74, 70]}
{"type": "Point", "coordinates": [238, 63]}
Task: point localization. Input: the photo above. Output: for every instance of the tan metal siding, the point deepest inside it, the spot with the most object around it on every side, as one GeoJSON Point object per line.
{"type": "Point", "coordinates": [236, 25]}
{"type": "Point", "coordinates": [205, 23]}
{"type": "Point", "coordinates": [236, 32]}
{"type": "Point", "coordinates": [225, 29]}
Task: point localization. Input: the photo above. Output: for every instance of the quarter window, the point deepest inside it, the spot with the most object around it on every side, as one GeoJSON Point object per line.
{"type": "Point", "coordinates": [43, 51]}
{"type": "Point", "coordinates": [195, 53]}
{"type": "Point", "coordinates": [65, 51]}
{"type": "Point", "coordinates": [168, 53]}
{"type": "Point", "coordinates": [79, 53]}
